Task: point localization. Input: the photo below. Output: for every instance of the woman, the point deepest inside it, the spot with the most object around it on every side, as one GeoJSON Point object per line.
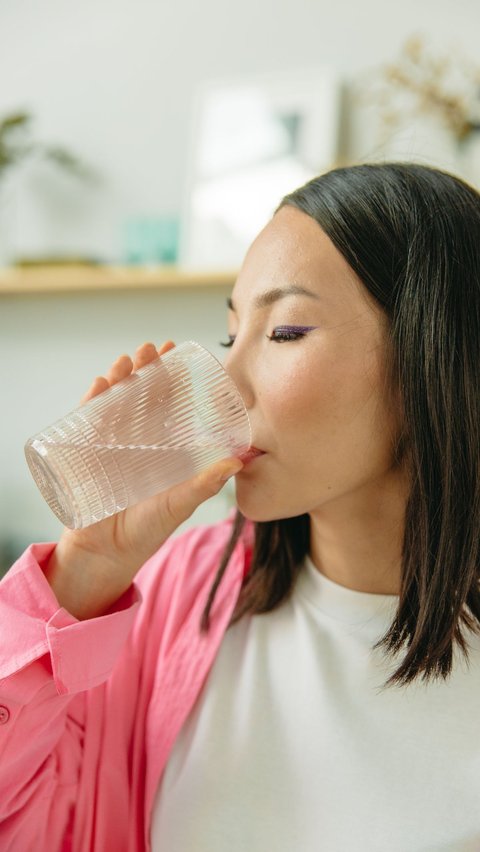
{"type": "Point", "coordinates": [305, 675]}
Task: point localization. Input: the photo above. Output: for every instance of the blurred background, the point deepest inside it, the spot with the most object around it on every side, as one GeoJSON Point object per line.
{"type": "Point", "coordinates": [144, 144]}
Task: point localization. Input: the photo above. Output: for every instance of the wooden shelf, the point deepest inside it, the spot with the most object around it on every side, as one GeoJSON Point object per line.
{"type": "Point", "coordinates": [83, 278]}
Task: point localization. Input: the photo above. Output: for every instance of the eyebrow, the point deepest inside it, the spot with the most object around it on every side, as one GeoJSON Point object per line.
{"type": "Point", "coordinates": [270, 296]}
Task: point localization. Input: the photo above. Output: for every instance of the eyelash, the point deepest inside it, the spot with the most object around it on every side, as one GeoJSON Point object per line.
{"type": "Point", "coordinates": [281, 334]}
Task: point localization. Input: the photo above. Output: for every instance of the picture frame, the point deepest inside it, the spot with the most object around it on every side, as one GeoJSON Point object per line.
{"type": "Point", "coordinates": [253, 139]}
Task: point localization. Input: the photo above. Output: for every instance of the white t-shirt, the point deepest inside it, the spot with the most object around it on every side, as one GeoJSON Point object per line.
{"type": "Point", "coordinates": [292, 746]}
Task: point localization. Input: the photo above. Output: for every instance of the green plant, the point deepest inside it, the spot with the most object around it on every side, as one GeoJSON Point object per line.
{"type": "Point", "coordinates": [17, 146]}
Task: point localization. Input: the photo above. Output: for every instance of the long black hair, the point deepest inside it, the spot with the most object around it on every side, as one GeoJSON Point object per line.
{"type": "Point", "coordinates": [411, 233]}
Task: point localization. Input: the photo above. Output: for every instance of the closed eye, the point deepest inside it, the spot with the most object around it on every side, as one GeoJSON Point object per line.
{"type": "Point", "coordinates": [229, 342]}
{"type": "Point", "coordinates": [280, 334]}
{"type": "Point", "coordinates": [289, 332]}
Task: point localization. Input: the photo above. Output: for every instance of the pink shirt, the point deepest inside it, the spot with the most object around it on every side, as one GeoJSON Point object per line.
{"type": "Point", "coordinates": [89, 710]}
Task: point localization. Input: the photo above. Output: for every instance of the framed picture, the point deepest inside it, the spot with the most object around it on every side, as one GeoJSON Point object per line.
{"type": "Point", "coordinates": [253, 140]}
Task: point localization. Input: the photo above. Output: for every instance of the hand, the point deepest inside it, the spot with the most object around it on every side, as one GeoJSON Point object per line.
{"type": "Point", "coordinates": [92, 567]}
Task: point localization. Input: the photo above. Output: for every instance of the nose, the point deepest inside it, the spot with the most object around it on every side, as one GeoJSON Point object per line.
{"type": "Point", "coordinates": [235, 364]}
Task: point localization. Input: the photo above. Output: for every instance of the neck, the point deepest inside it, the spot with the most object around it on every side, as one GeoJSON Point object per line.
{"type": "Point", "coordinates": [356, 540]}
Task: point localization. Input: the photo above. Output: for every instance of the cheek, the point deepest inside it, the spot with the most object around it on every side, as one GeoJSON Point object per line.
{"type": "Point", "coordinates": [293, 395]}
{"type": "Point", "coordinates": [331, 398]}
{"type": "Point", "coordinates": [314, 371]}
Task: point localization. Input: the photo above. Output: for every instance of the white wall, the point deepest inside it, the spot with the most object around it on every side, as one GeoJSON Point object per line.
{"type": "Point", "coordinates": [114, 80]}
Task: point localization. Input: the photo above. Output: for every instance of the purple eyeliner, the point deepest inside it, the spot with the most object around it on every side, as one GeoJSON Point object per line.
{"type": "Point", "coordinates": [298, 329]}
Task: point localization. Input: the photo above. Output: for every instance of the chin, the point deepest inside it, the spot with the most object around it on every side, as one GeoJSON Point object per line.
{"type": "Point", "coordinates": [259, 504]}
{"type": "Point", "coordinates": [260, 514]}
{"type": "Point", "coordinates": [258, 517]}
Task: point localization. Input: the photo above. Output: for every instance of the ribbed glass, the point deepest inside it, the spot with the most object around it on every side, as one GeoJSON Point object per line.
{"type": "Point", "coordinates": [156, 428]}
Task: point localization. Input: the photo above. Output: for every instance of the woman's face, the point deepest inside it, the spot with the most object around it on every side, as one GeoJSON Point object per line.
{"type": "Point", "coordinates": [317, 401]}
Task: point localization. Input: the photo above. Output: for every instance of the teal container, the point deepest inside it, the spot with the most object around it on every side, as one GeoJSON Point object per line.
{"type": "Point", "coordinates": [151, 241]}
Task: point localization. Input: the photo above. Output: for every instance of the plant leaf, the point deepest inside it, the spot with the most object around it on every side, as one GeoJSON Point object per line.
{"type": "Point", "coordinates": [70, 163]}
{"type": "Point", "coordinates": [15, 121]}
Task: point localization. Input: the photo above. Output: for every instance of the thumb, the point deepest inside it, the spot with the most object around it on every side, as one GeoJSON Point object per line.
{"type": "Point", "coordinates": [184, 498]}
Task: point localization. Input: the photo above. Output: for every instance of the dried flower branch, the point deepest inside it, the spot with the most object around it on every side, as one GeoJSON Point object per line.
{"type": "Point", "coordinates": [447, 87]}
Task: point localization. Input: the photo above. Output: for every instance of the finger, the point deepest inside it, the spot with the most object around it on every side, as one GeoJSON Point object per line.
{"type": "Point", "coordinates": [148, 352]}
{"type": "Point", "coordinates": [145, 353]}
{"type": "Point", "coordinates": [98, 385]}
{"type": "Point", "coordinates": [120, 369]}
{"type": "Point", "coordinates": [165, 347]}
{"type": "Point", "coordinates": [183, 499]}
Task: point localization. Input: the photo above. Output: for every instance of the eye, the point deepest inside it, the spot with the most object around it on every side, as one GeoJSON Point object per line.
{"type": "Point", "coordinates": [230, 341]}
{"type": "Point", "coordinates": [282, 333]}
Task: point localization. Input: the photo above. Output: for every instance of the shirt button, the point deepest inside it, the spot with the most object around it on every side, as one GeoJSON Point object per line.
{"type": "Point", "coordinates": [4, 714]}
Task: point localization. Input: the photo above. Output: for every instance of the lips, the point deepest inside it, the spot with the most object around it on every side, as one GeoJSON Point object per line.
{"type": "Point", "coordinates": [250, 454]}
